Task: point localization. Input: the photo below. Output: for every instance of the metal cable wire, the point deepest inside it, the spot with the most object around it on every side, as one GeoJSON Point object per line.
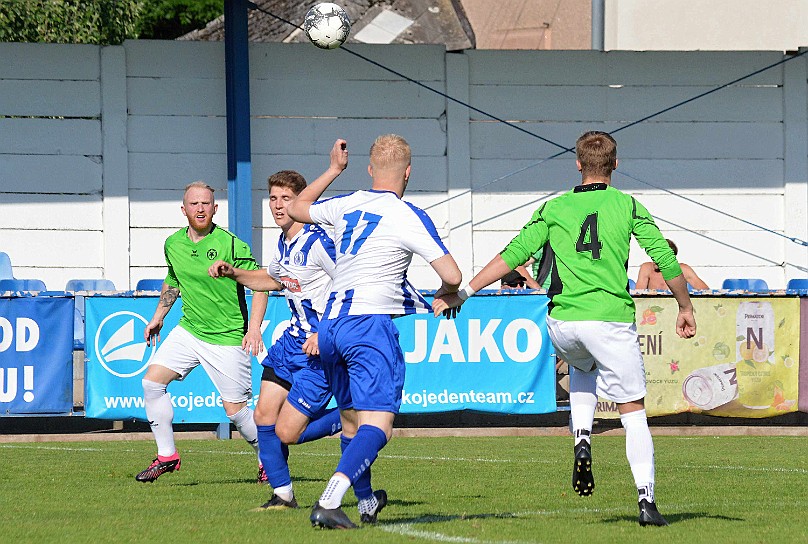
{"type": "Point", "coordinates": [564, 149]}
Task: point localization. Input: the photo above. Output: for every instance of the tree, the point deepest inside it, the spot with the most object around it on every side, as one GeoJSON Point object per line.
{"type": "Point", "coordinates": [170, 19]}
{"type": "Point", "coordinates": [99, 22]}
{"type": "Point", "coordinates": [103, 22]}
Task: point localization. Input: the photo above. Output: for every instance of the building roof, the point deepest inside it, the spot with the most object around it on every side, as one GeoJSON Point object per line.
{"type": "Point", "coordinates": [531, 24]}
{"type": "Point", "coordinates": [373, 21]}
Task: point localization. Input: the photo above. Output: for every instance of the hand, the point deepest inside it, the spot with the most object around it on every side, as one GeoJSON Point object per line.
{"type": "Point", "coordinates": [443, 291]}
{"type": "Point", "coordinates": [152, 331]}
{"type": "Point", "coordinates": [252, 343]}
{"type": "Point", "coordinates": [221, 269]}
{"type": "Point", "coordinates": [339, 155]}
{"type": "Point", "coordinates": [446, 302]}
{"type": "Point", "coordinates": [311, 346]}
{"type": "Point", "coordinates": [686, 324]}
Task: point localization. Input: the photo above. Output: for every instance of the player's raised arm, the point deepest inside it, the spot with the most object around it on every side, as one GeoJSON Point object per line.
{"type": "Point", "coordinates": [257, 280]}
{"type": "Point", "coordinates": [298, 209]}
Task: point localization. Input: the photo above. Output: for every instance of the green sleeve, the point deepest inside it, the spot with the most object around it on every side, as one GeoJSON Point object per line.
{"type": "Point", "coordinates": [651, 240]}
{"type": "Point", "coordinates": [242, 256]}
{"type": "Point", "coordinates": [529, 240]}
{"type": "Point", "coordinates": [171, 277]}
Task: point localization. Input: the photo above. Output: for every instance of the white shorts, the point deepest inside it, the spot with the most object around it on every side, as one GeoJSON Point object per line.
{"type": "Point", "coordinates": [228, 367]}
{"type": "Point", "coordinates": [610, 349]}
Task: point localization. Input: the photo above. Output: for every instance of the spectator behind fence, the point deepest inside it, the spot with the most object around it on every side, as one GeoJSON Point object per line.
{"type": "Point", "coordinates": [650, 277]}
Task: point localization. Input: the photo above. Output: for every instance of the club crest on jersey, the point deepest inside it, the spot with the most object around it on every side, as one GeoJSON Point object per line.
{"type": "Point", "coordinates": [299, 258]}
{"type": "Point", "coordinates": [290, 283]}
{"type": "Point", "coordinates": [212, 253]}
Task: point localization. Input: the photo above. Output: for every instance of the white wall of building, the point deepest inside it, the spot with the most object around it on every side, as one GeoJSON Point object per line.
{"type": "Point", "coordinates": [96, 144]}
{"type": "Point", "coordinates": [706, 25]}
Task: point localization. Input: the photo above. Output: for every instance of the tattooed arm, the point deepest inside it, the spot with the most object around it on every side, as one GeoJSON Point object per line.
{"type": "Point", "coordinates": [168, 296]}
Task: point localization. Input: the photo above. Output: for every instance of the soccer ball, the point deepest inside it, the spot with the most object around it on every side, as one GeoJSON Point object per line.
{"type": "Point", "coordinates": [327, 25]}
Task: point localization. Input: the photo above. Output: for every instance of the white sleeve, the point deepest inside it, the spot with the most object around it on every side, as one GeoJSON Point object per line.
{"type": "Point", "coordinates": [324, 212]}
{"type": "Point", "coordinates": [423, 238]}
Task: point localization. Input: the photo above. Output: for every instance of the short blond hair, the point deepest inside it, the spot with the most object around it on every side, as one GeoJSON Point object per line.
{"type": "Point", "coordinates": [199, 184]}
{"type": "Point", "coordinates": [390, 151]}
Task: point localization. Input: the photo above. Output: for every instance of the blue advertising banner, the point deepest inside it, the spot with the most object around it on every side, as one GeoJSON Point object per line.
{"type": "Point", "coordinates": [36, 355]}
{"type": "Point", "coordinates": [495, 356]}
{"type": "Point", "coordinates": [117, 358]}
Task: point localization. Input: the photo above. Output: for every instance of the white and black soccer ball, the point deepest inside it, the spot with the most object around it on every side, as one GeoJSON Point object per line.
{"type": "Point", "coordinates": [327, 25]}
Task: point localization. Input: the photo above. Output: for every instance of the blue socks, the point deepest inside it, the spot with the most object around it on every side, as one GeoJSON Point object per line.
{"type": "Point", "coordinates": [357, 456]}
{"type": "Point", "coordinates": [326, 425]}
{"type": "Point", "coordinates": [362, 487]}
{"type": "Point", "coordinates": [273, 454]}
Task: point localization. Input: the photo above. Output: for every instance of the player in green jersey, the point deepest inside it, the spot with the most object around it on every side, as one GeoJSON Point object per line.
{"type": "Point", "coordinates": [591, 313]}
{"type": "Point", "coordinates": [214, 330]}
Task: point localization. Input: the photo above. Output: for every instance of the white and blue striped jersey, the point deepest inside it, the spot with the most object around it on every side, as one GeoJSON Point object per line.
{"type": "Point", "coordinates": [376, 234]}
{"type": "Point", "coordinates": [304, 266]}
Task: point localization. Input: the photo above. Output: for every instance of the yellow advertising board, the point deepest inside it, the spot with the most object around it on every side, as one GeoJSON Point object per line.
{"type": "Point", "coordinates": [743, 361]}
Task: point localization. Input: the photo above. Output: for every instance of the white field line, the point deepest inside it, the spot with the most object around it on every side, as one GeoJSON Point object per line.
{"type": "Point", "coordinates": [739, 468]}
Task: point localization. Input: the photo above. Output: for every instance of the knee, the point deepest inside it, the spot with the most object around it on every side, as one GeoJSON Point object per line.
{"type": "Point", "coordinates": [286, 435]}
{"type": "Point", "coordinates": [153, 390]}
{"type": "Point", "coordinates": [233, 410]}
{"type": "Point", "coordinates": [260, 416]}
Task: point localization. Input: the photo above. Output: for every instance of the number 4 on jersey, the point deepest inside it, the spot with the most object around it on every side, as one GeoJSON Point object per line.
{"type": "Point", "coordinates": [588, 239]}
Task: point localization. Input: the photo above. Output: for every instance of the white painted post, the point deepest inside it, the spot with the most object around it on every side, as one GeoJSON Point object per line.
{"type": "Point", "coordinates": [795, 125]}
{"type": "Point", "coordinates": [459, 164]}
{"type": "Point", "coordinates": [115, 166]}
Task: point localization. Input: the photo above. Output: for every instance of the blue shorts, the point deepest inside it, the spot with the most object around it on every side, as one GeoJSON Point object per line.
{"type": "Point", "coordinates": [301, 375]}
{"type": "Point", "coordinates": [363, 362]}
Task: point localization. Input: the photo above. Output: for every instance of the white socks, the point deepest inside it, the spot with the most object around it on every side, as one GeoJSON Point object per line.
{"type": "Point", "coordinates": [160, 413]}
{"type": "Point", "coordinates": [368, 506]}
{"type": "Point", "coordinates": [640, 452]}
{"type": "Point", "coordinates": [285, 492]}
{"type": "Point", "coordinates": [583, 401]}
{"type": "Point", "coordinates": [243, 420]}
{"type": "Point", "coordinates": [334, 491]}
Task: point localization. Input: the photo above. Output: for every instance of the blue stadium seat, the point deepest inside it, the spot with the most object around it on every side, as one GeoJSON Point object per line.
{"type": "Point", "coordinates": [22, 285]}
{"type": "Point", "coordinates": [5, 267]}
{"type": "Point", "coordinates": [78, 312]}
{"type": "Point", "coordinates": [90, 285]}
{"type": "Point", "coordinates": [149, 285]}
{"type": "Point", "coordinates": [745, 284]}
{"type": "Point", "coordinates": [797, 283]}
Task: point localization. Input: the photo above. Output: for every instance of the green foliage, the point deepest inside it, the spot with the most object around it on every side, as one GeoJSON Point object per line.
{"type": "Point", "coordinates": [480, 490]}
{"type": "Point", "coordinates": [99, 22]}
{"type": "Point", "coordinates": [169, 19]}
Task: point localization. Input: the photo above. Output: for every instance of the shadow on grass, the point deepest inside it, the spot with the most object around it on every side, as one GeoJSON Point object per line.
{"type": "Point", "coordinates": [674, 518]}
{"type": "Point", "coordinates": [440, 518]}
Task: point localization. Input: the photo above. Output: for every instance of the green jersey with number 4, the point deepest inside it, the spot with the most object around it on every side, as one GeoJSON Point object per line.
{"type": "Point", "coordinates": [213, 309]}
{"type": "Point", "coordinates": [590, 229]}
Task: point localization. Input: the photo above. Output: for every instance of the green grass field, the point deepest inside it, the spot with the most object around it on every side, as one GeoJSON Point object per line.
{"type": "Point", "coordinates": [463, 490]}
